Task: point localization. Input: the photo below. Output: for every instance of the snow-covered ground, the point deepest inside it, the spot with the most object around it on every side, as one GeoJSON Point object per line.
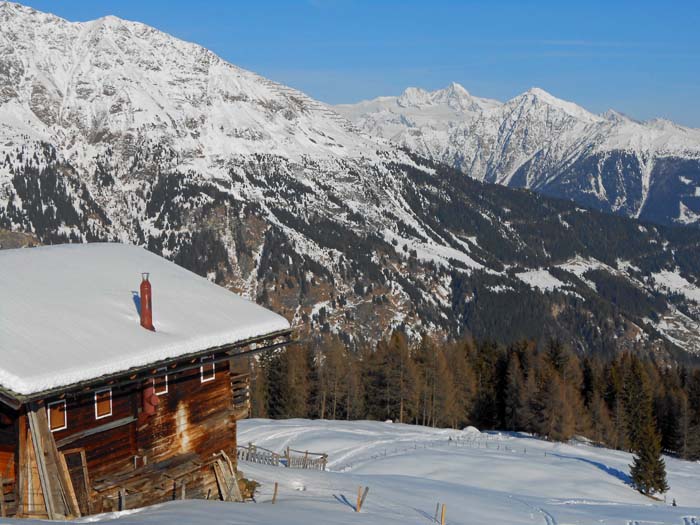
{"type": "Point", "coordinates": [481, 478]}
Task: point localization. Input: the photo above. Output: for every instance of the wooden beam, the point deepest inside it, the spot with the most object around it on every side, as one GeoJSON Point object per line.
{"type": "Point", "coordinates": [234, 490]}
{"type": "Point", "coordinates": [92, 431]}
{"type": "Point", "coordinates": [86, 479]}
{"type": "Point", "coordinates": [67, 483]}
{"type": "Point", "coordinates": [22, 460]}
{"type": "Point", "coordinates": [40, 457]}
{"type": "Point", "coordinates": [57, 461]}
{"type": "Point", "coordinates": [56, 483]}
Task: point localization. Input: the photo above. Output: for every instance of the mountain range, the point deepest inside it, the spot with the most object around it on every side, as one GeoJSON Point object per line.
{"type": "Point", "coordinates": [112, 130]}
{"type": "Point", "coordinates": [609, 162]}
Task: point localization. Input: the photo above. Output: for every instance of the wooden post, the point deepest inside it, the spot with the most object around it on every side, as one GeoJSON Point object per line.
{"type": "Point", "coordinates": [442, 516]}
{"type": "Point", "coordinates": [183, 490]}
{"type": "Point", "coordinates": [21, 465]}
{"type": "Point", "coordinates": [122, 499]}
{"type": "Point", "coordinates": [274, 494]}
{"type": "Point", "coordinates": [3, 511]}
{"type": "Point", "coordinates": [437, 511]}
{"type": "Point", "coordinates": [42, 469]}
{"type": "Point", "coordinates": [86, 479]}
{"type": "Point", "coordinates": [364, 495]}
{"type": "Point", "coordinates": [288, 457]}
{"type": "Point", "coordinates": [359, 497]}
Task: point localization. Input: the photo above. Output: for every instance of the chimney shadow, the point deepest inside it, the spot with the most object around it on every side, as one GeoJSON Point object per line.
{"type": "Point", "coordinates": [137, 301]}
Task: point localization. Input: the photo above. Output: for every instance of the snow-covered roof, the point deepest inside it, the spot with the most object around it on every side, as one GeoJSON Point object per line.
{"type": "Point", "coordinates": [68, 314]}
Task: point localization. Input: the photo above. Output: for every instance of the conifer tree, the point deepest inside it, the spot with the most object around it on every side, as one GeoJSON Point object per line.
{"type": "Point", "coordinates": [602, 430]}
{"type": "Point", "coordinates": [638, 404]}
{"type": "Point", "coordinates": [515, 384]}
{"type": "Point", "coordinates": [445, 410]}
{"type": "Point", "coordinates": [648, 470]}
{"type": "Point", "coordinates": [463, 382]}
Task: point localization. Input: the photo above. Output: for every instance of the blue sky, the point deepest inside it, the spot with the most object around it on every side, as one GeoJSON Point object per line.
{"type": "Point", "coordinates": [639, 57]}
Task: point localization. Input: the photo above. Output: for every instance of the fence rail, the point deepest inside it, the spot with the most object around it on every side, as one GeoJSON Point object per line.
{"type": "Point", "coordinates": [290, 458]}
{"type": "Point", "coordinates": [255, 454]}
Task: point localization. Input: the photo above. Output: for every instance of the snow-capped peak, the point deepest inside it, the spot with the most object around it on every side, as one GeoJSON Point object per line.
{"type": "Point", "coordinates": [69, 82]}
{"type": "Point", "coordinates": [414, 97]}
{"type": "Point", "coordinates": [537, 140]}
{"type": "Point", "coordinates": [616, 116]}
{"type": "Point", "coordinates": [538, 96]}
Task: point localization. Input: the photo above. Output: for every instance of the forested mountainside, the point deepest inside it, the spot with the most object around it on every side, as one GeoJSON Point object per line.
{"type": "Point", "coordinates": [540, 387]}
{"type": "Point", "coordinates": [111, 130]}
{"type": "Point", "coordinates": [610, 162]}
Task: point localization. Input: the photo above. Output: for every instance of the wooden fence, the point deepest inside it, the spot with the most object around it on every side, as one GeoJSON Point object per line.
{"type": "Point", "coordinates": [254, 454]}
{"type": "Point", "coordinates": [290, 458]}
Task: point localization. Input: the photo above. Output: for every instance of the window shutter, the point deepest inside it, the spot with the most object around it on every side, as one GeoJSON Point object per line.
{"type": "Point", "coordinates": [103, 403]}
{"type": "Point", "coordinates": [57, 415]}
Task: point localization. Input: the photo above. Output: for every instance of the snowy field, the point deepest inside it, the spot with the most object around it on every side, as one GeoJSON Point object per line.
{"type": "Point", "coordinates": [481, 478]}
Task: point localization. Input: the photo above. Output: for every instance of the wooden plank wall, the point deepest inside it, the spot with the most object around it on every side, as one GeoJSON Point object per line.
{"type": "Point", "coordinates": [192, 417]}
{"type": "Point", "coordinates": [107, 452]}
{"type": "Point", "coordinates": [194, 420]}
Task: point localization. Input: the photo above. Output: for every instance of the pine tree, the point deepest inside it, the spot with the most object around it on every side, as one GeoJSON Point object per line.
{"type": "Point", "coordinates": [515, 384]}
{"type": "Point", "coordinates": [648, 470]}
{"type": "Point", "coordinates": [637, 403]}
{"type": "Point", "coordinates": [334, 378]}
{"type": "Point", "coordinates": [464, 383]}
{"type": "Point", "coordinates": [446, 408]}
{"type": "Point", "coordinates": [602, 430]}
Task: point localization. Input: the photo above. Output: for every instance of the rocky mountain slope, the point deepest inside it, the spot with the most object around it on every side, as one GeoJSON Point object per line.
{"type": "Point", "coordinates": [112, 130]}
{"type": "Point", "coordinates": [648, 170]}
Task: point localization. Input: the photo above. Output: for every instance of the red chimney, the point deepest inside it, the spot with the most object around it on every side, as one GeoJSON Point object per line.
{"type": "Point", "coordinates": [146, 304]}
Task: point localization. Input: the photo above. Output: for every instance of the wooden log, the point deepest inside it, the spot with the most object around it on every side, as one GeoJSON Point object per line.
{"type": "Point", "coordinates": [359, 497]}
{"type": "Point", "coordinates": [442, 515]}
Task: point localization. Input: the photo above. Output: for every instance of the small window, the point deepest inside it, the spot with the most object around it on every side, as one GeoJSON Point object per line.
{"type": "Point", "coordinates": [207, 369]}
{"type": "Point", "coordinates": [160, 382]}
{"type": "Point", "coordinates": [57, 415]}
{"type": "Point", "coordinates": [103, 403]}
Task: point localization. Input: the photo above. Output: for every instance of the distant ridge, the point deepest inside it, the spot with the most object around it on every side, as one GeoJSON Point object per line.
{"type": "Point", "coordinates": [649, 170]}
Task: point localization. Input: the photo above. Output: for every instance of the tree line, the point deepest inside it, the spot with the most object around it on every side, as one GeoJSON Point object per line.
{"type": "Point", "coordinates": [625, 402]}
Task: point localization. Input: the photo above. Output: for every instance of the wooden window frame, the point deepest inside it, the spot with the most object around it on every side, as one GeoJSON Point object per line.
{"type": "Point", "coordinates": [204, 360]}
{"type": "Point", "coordinates": [65, 414]}
{"type": "Point", "coordinates": [111, 408]}
{"type": "Point", "coordinates": [160, 375]}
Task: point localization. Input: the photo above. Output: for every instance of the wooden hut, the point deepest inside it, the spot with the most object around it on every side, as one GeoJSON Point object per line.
{"type": "Point", "coordinates": [118, 389]}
